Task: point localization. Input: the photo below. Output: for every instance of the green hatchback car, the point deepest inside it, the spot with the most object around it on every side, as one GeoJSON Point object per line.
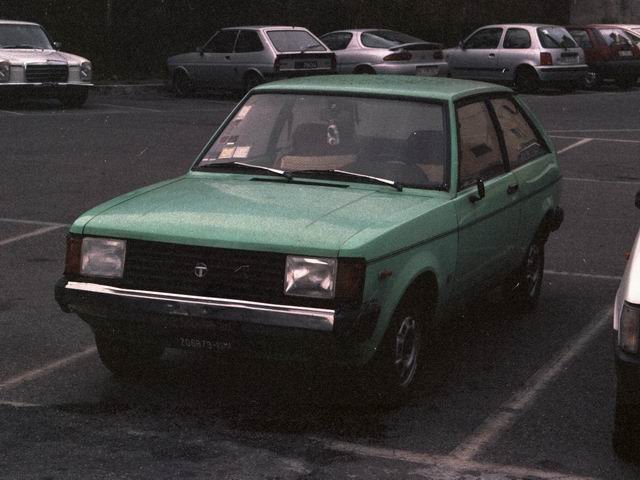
{"type": "Point", "coordinates": [333, 219]}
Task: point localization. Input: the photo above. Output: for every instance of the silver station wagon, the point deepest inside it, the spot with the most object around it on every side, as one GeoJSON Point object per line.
{"type": "Point", "coordinates": [239, 58]}
{"type": "Point", "coordinates": [527, 55]}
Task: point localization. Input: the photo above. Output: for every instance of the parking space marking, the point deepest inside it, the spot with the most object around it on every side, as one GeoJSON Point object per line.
{"type": "Point", "coordinates": [35, 233]}
{"type": "Point", "coordinates": [32, 222]}
{"type": "Point", "coordinates": [11, 112]}
{"type": "Point", "coordinates": [9, 403]}
{"type": "Point", "coordinates": [584, 275]}
{"type": "Point", "coordinates": [42, 371]}
{"type": "Point", "coordinates": [457, 465]}
{"type": "Point", "coordinates": [574, 145]}
{"type": "Point", "coordinates": [595, 180]}
{"type": "Point", "coordinates": [618, 140]}
{"type": "Point", "coordinates": [142, 109]}
{"type": "Point", "coordinates": [522, 400]}
{"type": "Point", "coordinates": [599, 130]}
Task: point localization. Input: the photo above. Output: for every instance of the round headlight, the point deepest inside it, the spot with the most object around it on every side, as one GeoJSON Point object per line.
{"type": "Point", "coordinates": [5, 71]}
{"type": "Point", "coordinates": [86, 71]}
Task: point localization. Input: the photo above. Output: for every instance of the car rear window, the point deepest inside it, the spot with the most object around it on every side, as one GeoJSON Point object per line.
{"type": "Point", "coordinates": [294, 41]}
{"type": "Point", "coordinates": [581, 37]}
{"type": "Point", "coordinates": [555, 37]}
{"type": "Point", "coordinates": [386, 39]}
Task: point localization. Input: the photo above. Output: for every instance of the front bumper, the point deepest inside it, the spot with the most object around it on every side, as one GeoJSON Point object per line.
{"type": "Point", "coordinates": [167, 319]}
{"type": "Point", "coordinates": [49, 90]}
{"type": "Point", "coordinates": [562, 74]}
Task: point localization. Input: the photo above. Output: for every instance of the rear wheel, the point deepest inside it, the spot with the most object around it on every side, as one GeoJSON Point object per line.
{"type": "Point", "coordinates": [527, 80]}
{"type": "Point", "coordinates": [591, 80]}
{"type": "Point", "coordinates": [251, 80]}
{"type": "Point", "coordinates": [182, 84]}
{"type": "Point", "coordinates": [124, 358]}
{"type": "Point", "coordinates": [626, 82]}
{"type": "Point", "coordinates": [364, 70]}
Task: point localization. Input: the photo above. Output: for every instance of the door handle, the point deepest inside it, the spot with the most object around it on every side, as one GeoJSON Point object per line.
{"type": "Point", "coordinates": [228, 57]}
{"type": "Point", "coordinates": [492, 55]}
{"type": "Point", "coordinates": [513, 188]}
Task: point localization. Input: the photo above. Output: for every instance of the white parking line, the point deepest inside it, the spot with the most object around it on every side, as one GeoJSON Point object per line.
{"type": "Point", "coordinates": [32, 222]}
{"type": "Point", "coordinates": [35, 233]}
{"type": "Point", "coordinates": [440, 462]}
{"type": "Point", "coordinates": [39, 372]}
{"type": "Point", "coordinates": [618, 140]}
{"type": "Point", "coordinates": [604, 130]}
{"type": "Point", "coordinates": [574, 145]}
{"type": "Point", "coordinates": [584, 275]}
{"type": "Point", "coordinates": [11, 112]}
{"type": "Point", "coordinates": [595, 180]}
{"type": "Point", "coordinates": [522, 400]}
{"type": "Point", "coordinates": [142, 109]}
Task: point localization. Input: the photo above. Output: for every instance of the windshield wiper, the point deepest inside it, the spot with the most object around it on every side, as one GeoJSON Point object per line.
{"type": "Point", "coordinates": [247, 166]}
{"type": "Point", "coordinates": [344, 173]}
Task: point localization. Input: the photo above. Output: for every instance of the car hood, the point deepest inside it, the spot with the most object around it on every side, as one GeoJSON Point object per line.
{"type": "Point", "coordinates": [30, 55]}
{"type": "Point", "coordinates": [236, 211]}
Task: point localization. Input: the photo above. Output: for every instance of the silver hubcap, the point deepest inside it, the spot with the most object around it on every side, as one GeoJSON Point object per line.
{"type": "Point", "coordinates": [533, 269]}
{"type": "Point", "coordinates": [406, 352]}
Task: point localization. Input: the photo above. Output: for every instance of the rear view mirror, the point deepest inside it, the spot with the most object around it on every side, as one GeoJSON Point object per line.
{"type": "Point", "coordinates": [57, 45]}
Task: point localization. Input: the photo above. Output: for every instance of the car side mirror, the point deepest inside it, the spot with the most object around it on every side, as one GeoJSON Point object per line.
{"type": "Point", "coordinates": [638, 199]}
{"type": "Point", "coordinates": [200, 50]}
{"type": "Point", "coordinates": [461, 45]}
{"type": "Point", "coordinates": [57, 45]}
{"type": "Point", "coordinates": [481, 191]}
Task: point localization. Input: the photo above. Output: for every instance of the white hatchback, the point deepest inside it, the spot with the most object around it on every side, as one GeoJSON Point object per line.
{"type": "Point", "coordinates": [31, 65]}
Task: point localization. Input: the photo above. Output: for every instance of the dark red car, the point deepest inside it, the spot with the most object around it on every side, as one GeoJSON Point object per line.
{"type": "Point", "coordinates": [610, 54]}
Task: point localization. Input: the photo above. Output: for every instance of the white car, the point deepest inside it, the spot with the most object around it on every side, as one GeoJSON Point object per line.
{"type": "Point", "coordinates": [32, 66]}
{"type": "Point", "coordinates": [626, 324]}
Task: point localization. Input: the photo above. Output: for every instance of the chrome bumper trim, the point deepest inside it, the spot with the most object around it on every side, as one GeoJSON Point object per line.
{"type": "Point", "coordinates": [221, 308]}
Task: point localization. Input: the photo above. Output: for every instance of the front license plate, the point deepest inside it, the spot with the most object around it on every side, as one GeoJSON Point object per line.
{"type": "Point", "coordinates": [427, 71]}
{"type": "Point", "coordinates": [625, 53]}
{"type": "Point", "coordinates": [306, 64]}
{"type": "Point", "coordinates": [203, 344]}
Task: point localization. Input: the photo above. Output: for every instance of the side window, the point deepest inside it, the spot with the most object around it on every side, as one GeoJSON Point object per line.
{"type": "Point", "coordinates": [337, 41]}
{"type": "Point", "coordinates": [522, 141]}
{"type": "Point", "coordinates": [221, 42]}
{"type": "Point", "coordinates": [485, 38]}
{"type": "Point", "coordinates": [479, 153]}
{"type": "Point", "coordinates": [517, 38]}
{"type": "Point", "coordinates": [248, 41]}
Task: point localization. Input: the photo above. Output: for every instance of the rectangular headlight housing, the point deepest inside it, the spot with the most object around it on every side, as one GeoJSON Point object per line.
{"type": "Point", "coordinates": [312, 277]}
{"type": "Point", "coordinates": [629, 333]}
{"type": "Point", "coordinates": [102, 257]}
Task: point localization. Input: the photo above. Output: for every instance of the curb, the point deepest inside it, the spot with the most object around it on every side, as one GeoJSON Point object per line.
{"type": "Point", "coordinates": [130, 89]}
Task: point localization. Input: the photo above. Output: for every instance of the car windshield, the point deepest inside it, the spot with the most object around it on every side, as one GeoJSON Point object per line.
{"type": "Point", "coordinates": [323, 136]}
{"type": "Point", "coordinates": [555, 37]}
{"type": "Point", "coordinates": [23, 36]}
{"type": "Point", "coordinates": [387, 39]}
{"type": "Point", "coordinates": [294, 41]}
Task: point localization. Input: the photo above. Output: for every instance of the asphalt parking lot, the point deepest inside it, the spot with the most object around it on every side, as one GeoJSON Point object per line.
{"type": "Point", "coordinates": [503, 397]}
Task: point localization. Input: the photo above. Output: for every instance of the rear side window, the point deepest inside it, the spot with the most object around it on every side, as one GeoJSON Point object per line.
{"type": "Point", "coordinates": [522, 141]}
{"type": "Point", "coordinates": [517, 38]}
{"type": "Point", "coordinates": [294, 41]}
{"type": "Point", "coordinates": [555, 37]}
{"type": "Point", "coordinates": [485, 38]}
{"type": "Point", "coordinates": [386, 39]}
{"type": "Point", "coordinates": [480, 155]}
{"type": "Point", "coordinates": [248, 41]}
{"type": "Point", "coordinates": [581, 37]}
{"type": "Point", "coordinates": [337, 41]}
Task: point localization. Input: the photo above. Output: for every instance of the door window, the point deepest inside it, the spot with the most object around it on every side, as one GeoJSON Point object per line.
{"type": "Point", "coordinates": [485, 38]}
{"type": "Point", "coordinates": [522, 141]}
{"type": "Point", "coordinates": [337, 41]}
{"type": "Point", "coordinates": [517, 38]}
{"type": "Point", "coordinates": [479, 150]}
{"type": "Point", "coordinates": [248, 41]}
{"type": "Point", "coordinates": [222, 42]}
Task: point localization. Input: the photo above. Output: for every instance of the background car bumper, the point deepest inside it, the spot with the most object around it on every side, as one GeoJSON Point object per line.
{"type": "Point", "coordinates": [617, 68]}
{"type": "Point", "coordinates": [438, 69]}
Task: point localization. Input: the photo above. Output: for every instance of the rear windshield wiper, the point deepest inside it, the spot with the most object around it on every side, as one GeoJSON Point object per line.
{"type": "Point", "coordinates": [344, 173]}
{"type": "Point", "coordinates": [245, 166]}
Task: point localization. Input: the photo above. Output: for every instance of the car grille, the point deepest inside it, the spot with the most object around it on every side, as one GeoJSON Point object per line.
{"type": "Point", "coordinates": [47, 73]}
{"type": "Point", "coordinates": [237, 274]}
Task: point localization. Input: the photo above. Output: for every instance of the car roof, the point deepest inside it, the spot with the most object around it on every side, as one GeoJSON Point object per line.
{"type": "Point", "coordinates": [361, 30]}
{"type": "Point", "coordinates": [266, 27]}
{"type": "Point", "coordinates": [16, 22]}
{"type": "Point", "coordinates": [434, 88]}
{"type": "Point", "coordinates": [520, 25]}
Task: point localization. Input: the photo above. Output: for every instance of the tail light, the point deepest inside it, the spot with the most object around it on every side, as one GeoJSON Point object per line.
{"type": "Point", "coordinates": [276, 65]}
{"type": "Point", "coordinates": [437, 55]}
{"type": "Point", "coordinates": [398, 56]}
{"type": "Point", "coordinates": [546, 58]}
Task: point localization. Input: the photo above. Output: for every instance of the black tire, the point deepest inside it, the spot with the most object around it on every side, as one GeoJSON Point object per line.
{"type": "Point", "coordinates": [591, 80]}
{"type": "Point", "coordinates": [126, 359]}
{"type": "Point", "coordinates": [75, 98]}
{"type": "Point", "coordinates": [251, 80]}
{"type": "Point", "coordinates": [182, 85]}
{"type": "Point", "coordinates": [626, 429]}
{"type": "Point", "coordinates": [397, 364]}
{"type": "Point", "coordinates": [523, 288]}
{"type": "Point", "coordinates": [364, 70]}
{"type": "Point", "coordinates": [626, 82]}
{"type": "Point", "coordinates": [527, 80]}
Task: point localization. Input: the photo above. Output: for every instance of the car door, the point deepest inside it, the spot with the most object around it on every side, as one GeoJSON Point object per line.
{"type": "Point", "coordinates": [516, 48]}
{"type": "Point", "coordinates": [346, 56]}
{"type": "Point", "coordinates": [488, 222]}
{"type": "Point", "coordinates": [249, 54]}
{"type": "Point", "coordinates": [532, 164]}
{"type": "Point", "coordinates": [213, 68]}
{"type": "Point", "coordinates": [477, 56]}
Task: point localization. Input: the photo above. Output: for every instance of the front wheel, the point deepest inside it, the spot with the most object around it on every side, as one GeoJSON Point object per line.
{"type": "Point", "coordinates": [126, 359]}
